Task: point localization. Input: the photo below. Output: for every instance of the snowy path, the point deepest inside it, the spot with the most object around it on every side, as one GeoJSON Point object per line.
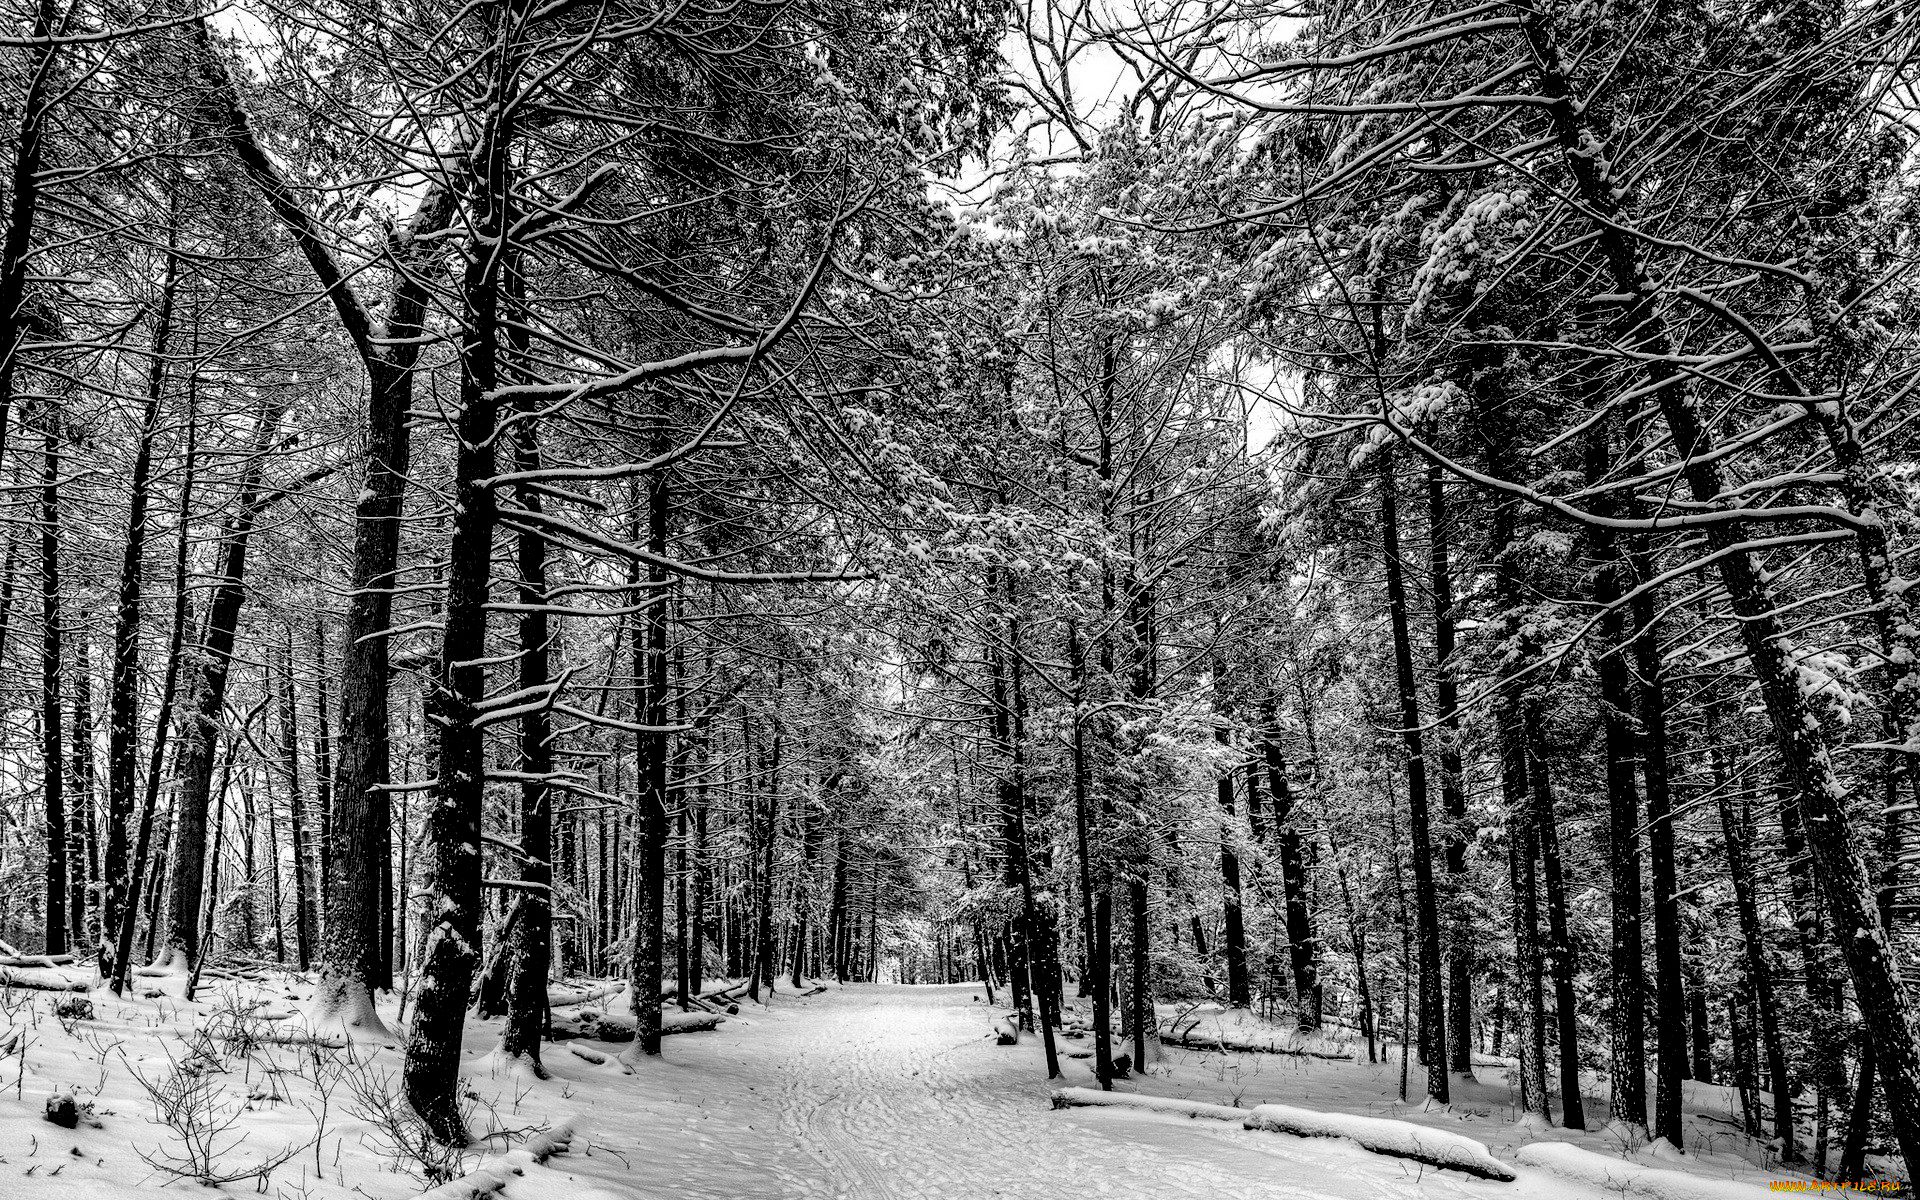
{"type": "Point", "coordinates": [889, 1093]}
{"type": "Point", "coordinates": [861, 1093]}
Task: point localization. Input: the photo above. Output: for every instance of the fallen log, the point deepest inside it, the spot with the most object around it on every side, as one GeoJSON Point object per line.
{"type": "Point", "coordinates": [1290, 1043]}
{"type": "Point", "coordinates": [1076, 1097]}
{"type": "Point", "coordinates": [560, 997]}
{"type": "Point", "coordinates": [11, 977]}
{"type": "Point", "coordinates": [36, 960]}
{"type": "Point", "coordinates": [1610, 1173]}
{"type": "Point", "coordinates": [1382, 1135]}
{"type": "Point", "coordinates": [620, 1027]}
{"type": "Point", "coordinates": [558, 1140]}
{"type": "Point", "coordinates": [690, 1022]}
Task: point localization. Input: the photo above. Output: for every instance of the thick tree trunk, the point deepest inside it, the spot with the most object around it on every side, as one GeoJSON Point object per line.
{"type": "Point", "coordinates": [650, 669]}
{"type": "Point", "coordinates": [450, 851]}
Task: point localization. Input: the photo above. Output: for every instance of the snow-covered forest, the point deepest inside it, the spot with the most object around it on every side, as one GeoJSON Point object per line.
{"type": "Point", "coordinates": [1218, 598]}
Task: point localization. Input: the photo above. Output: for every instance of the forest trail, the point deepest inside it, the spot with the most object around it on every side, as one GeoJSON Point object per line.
{"type": "Point", "coordinates": [862, 1092]}
{"type": "Point", "coordinates": [888, 1093]}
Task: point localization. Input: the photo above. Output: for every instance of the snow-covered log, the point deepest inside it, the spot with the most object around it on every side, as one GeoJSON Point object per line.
{"type": "Point", "coordinates": [35, 960]}
{"type": "Point", "coordinates": [1304, 1045]}
{"type": "Point", "coordinates": [480, 1184]}
{"type": "Point", "coordinates": [558, 1140]}
{"type": "Point", "coordinates": [1400, 1139]}
{"type": "Point", "coordinates": [23, 978]}
{"type": "Point", "coordinates": [1077, 1097]}
{"type": "Point", "coordinates": [1623, 1178]}
{"type": "Point", "coordinates": [563, 996]}
{"type": "Point", "coordinates": [619, 1027]}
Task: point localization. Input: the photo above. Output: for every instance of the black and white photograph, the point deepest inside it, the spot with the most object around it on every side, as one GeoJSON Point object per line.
{"type": "Point", "coordinates": [959, 599]}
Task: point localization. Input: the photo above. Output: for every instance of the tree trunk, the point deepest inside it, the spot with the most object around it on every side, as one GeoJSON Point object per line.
{"type": "Point", "coordinates": [123, 696]}
{"type": "Point", "coordinates": [1433, 1033]}
{"type": "Point", "coordinates": [450, 850]}
{"type": "Point", "coordinates": [43, 91]}
{"type": "Point", "coordinates": [1759, 975]}
{"type": "Point", "coordinates": [52, 741]}
{"type": "Point", "coordinates": [1626, 1025]}
{"type": "Point", "coordinates": [651, 748]}
{"type": "Point", "coordinates": [1827, 1046]}
{"type": "Point", "coordinates": [1559, 948]}
{"type": "Point", "coordinates": [296, 811]}
{"type": "Point", "coordinates": [530, 949]}
{"type": "Point", "coordinates": [1670, 1029]}
{"type": "Point", "coordinates": [82, 829]}
{"type": "Point", "coordinates": [201, 725]}
{"type": "Point", "coordinates": [1302, 943]}
{"type": "Point", "coordinates": [763, 940]}
{"type": "Point", "coordinates": [1239, 989]}
{"type": "Point", "coordinates": [1453, 796]}
{"type": "Point", "coordinates": [163, 717]}
{"type": "Point", "coordinates": [1095, 898]}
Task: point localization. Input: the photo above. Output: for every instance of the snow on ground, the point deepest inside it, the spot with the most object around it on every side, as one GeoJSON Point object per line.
{"type": "Point", "coordinates": [863, 1092]}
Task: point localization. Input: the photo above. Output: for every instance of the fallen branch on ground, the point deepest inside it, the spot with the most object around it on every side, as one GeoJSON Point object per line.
{"type": "Point", "coordinates": [1399, 1139]}
{"type": "Point", "coordinates": [10, 977]}
{"type": "Point", "coordinates": [1293, 1043]}
{"type": "Point", "coordinates": [1623, 1178]}
{"type": "Point", "coordinates": [1075, 1097]}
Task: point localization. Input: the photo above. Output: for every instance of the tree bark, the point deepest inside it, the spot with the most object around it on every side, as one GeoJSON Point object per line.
{"type": "Point", "coordinates": [450, 851]}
